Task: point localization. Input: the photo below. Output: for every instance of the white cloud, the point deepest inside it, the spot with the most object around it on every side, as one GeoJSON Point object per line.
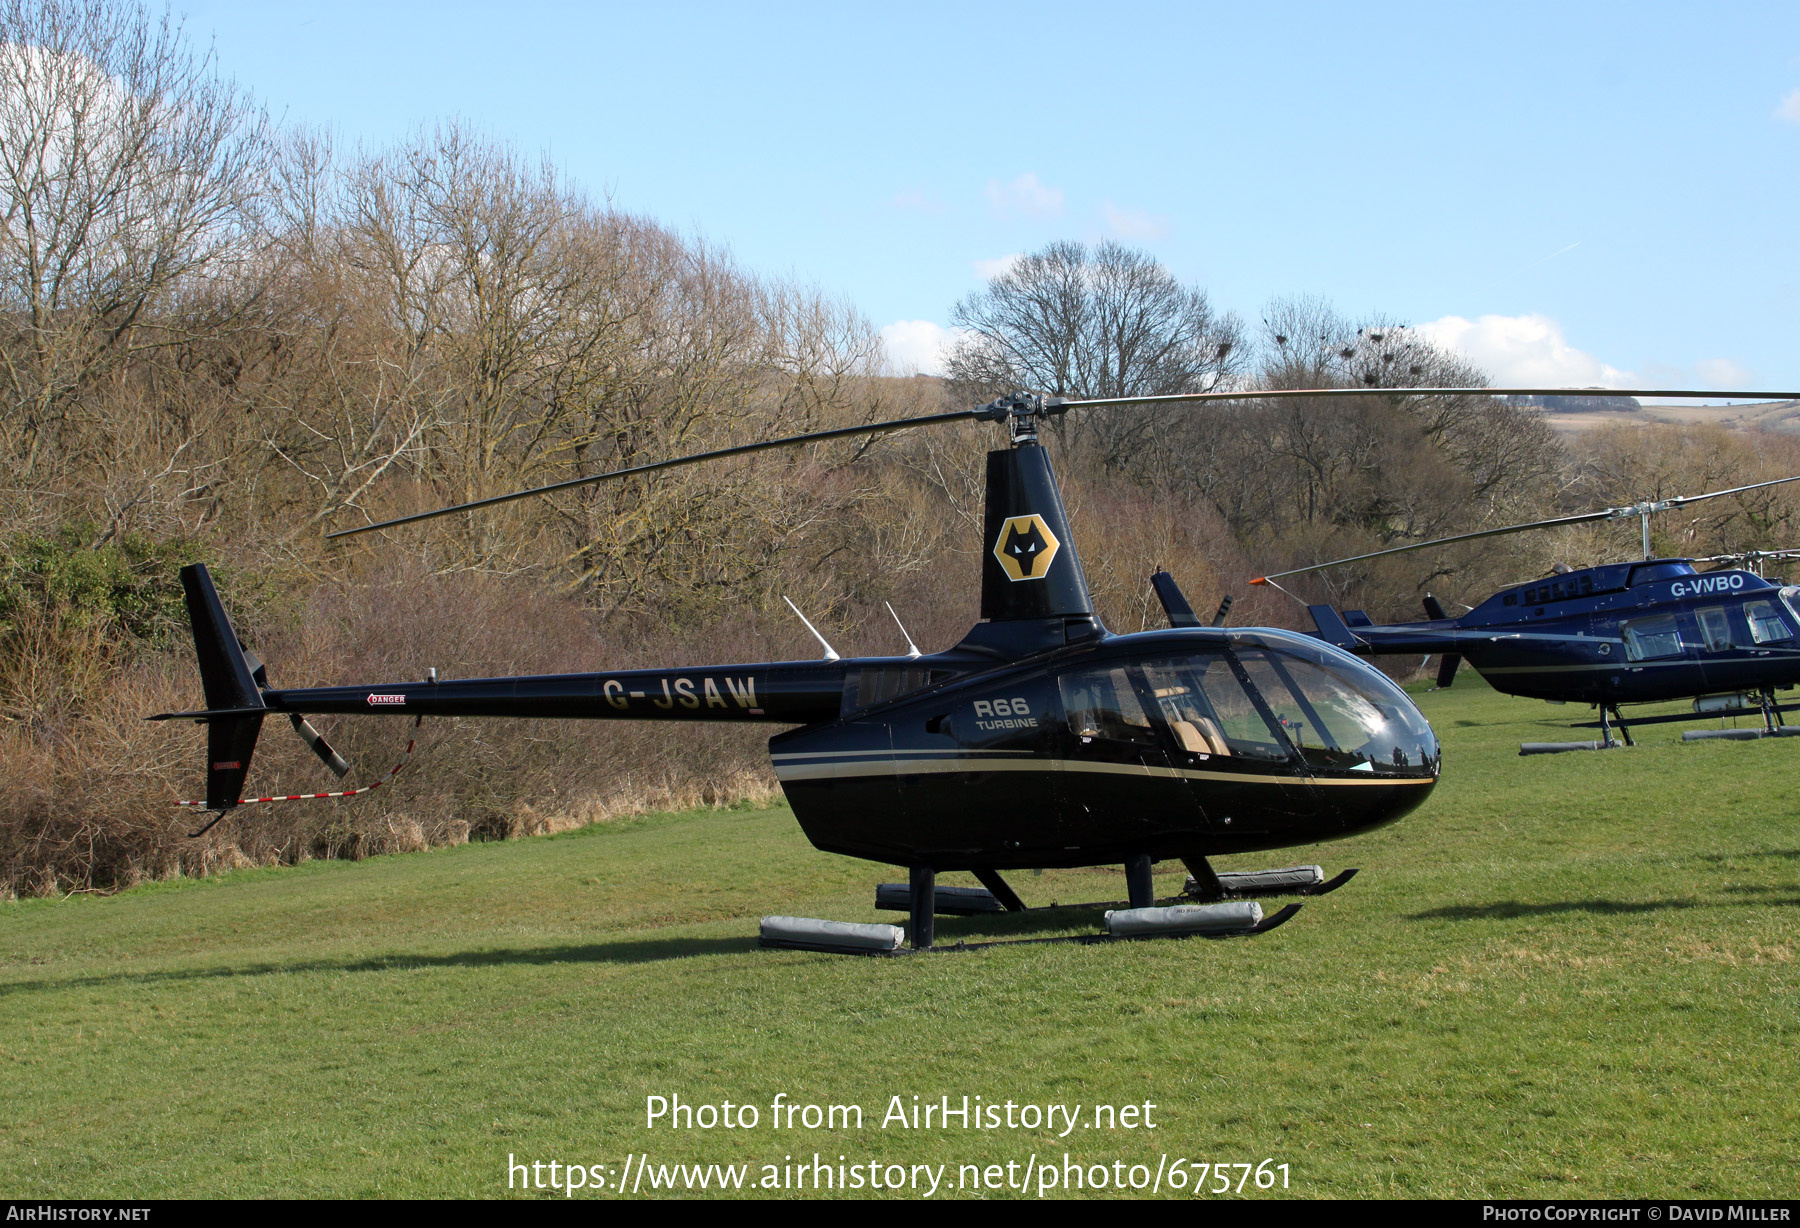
{"type": "Point", "coordinates": [918, 346]}
{"type": "Point", "coordinates": [1789, 108]}
{"type": "Point", "coordinates": [1529, 351]}
{"type": "Point", "coordinates": [1526, 351]}
{"type": "Point", "coordinates": [1724, 373]}
{"type": "Point", "coordinates": [1026, 195]}
{"type": "Point", "coordinates": [1134, 223]}
{"type": "Point", "coordinates": [987, 270]}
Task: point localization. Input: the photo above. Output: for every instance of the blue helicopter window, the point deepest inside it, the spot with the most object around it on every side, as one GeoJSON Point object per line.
{"type": "Point", "coordinates": [1649, 572]}
{"type": "Point", "coordinates": [1766, 626]}
{"type": "Point", "coordinates": [1715, 628]}
{"type": "Point", "coordinates": [1646, 639]}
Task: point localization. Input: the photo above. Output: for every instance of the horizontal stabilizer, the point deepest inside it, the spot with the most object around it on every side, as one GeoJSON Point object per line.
{"type": "Point", "coordinates": [203, 716]}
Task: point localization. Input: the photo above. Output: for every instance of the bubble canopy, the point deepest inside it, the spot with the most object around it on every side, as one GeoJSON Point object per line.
{"type": "Point", "coordinates": [1274, 697]}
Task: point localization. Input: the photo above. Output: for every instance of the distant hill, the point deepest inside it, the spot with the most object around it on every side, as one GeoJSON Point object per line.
{"type": "Point", "coordinates": [1574, 414]}
{"type": "Point", "coordinates": [1595, 403]}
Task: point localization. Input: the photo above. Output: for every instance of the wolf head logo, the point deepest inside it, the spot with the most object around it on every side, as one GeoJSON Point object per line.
{"type": "Point", "coordinates": [1025, 547]}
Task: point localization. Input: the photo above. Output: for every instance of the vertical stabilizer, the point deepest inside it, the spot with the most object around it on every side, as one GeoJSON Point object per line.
{"type": "Point", "coordinates": [1029, 565]}
{"type": "Point", "coordinates": [229, 681]}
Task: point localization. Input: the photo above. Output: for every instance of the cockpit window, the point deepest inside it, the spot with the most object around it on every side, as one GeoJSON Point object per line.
{"type": "Point", "coordinates": [1790, 597]}
{"type": "Point", "coordinates": [1203, 703]}
{"type": "Point", "coordinates": [1270, 700]}
{"type": "Point", "coordinates": [1332, 715]}
{"type": "Point", "coordinates": [1766, 626]}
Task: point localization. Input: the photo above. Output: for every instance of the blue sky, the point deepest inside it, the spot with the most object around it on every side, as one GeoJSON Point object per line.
{"type": "Point", "coordinates": [1573, 193]}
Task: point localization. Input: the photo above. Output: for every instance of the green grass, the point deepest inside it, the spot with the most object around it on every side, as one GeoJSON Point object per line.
{"type": "Point", "coordinates": [1567, 977]}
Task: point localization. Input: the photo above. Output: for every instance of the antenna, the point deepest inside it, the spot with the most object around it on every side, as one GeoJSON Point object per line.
{"type": "Point", "coordinates": [912, 649]}
{"type": "Point", "coordinates": [830, 652]}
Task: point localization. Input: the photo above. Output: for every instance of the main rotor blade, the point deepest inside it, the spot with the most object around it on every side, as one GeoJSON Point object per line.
{"type": "Point", "coordinates": [1748, 556]}
{"type": "Point", "coordinates": [873, 428]}
{"type": "Point", "coordinates": [1270, 394]}
{"type": "Point", "coordinates": [1441, 541]}
{"type": "Point", "coordinates": [1683, 500]}
{"type": "Point", "coordinates": [1611, 513]}
{"type": "Point", "coordinates": [1056, 405]}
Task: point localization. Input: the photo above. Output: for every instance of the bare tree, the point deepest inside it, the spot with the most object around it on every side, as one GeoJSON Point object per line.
{"type": "Point", "coordinates": [129, 174]}
{"type": "Point", "coordinates": [1340, 477]}
{"type": "Point", "coordinates": [1101, 322]}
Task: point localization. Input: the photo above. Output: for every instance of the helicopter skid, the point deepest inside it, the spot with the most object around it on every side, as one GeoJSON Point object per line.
{"type": "Point", "coordinates": [1254, 884]}
{"type": "Point", "coordinates": [795, 943]}
{"type": "Point", "coordinates": [1740, 735]}
{"type": "Point", "coordinates": [1558, 748]}
{"type": "Point", "coordinates": [967, 902]}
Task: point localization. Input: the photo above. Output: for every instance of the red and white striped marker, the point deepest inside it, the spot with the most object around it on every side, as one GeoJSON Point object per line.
{"type": "Point", "coordinates": [307, 797]}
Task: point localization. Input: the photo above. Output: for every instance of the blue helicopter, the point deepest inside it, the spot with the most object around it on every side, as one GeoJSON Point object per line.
{"type": "Point", "coordinates": [1646, 631]}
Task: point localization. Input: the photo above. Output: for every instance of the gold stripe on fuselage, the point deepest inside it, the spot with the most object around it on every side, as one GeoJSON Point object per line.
{"type": "Point", "coordinates": [902, 767]}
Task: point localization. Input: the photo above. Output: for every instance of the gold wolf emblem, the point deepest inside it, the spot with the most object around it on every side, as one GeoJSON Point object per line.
{"type": "Point", "coordinates": [1025, 547]}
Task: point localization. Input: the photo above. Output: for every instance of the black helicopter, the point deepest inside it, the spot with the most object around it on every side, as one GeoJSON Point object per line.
{"type": "Point", "coordinates": [1040, 740]}
{"type": "Point", "coordinates": [1645, 631]}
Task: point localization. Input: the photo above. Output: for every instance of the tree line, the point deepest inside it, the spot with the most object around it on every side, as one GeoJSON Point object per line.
{"type": "Point", "coordinates": [221, 337]}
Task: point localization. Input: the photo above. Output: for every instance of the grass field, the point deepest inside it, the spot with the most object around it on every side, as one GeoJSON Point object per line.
{"type": "Point", "coordinates": [1567, 977]}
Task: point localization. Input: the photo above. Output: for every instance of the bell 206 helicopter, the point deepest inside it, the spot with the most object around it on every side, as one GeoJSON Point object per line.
{"type": "Point", "coordinates": [1039, 740]}
{"type": "Point", "coordinates": [1645, 631]}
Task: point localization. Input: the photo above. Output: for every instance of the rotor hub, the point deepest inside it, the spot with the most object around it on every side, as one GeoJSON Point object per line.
{"type": "Point", "coordinates": [1021, 412]}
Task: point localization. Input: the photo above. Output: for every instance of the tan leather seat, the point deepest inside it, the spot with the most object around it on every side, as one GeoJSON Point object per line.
{"type": "Point", "coordinates": [1209, 729]}
{"type": "Point", "coordinates": [1199, 736]}
{"type": "Point", "coordinates": [1190, 738]}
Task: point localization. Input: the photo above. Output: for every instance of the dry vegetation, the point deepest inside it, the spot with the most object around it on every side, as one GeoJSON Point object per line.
{"type": "Point", "coordinates": [219, 339]}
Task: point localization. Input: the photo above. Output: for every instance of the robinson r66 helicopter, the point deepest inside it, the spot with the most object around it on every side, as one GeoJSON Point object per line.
{"type": "Point", "coordinates": [1039, 740]}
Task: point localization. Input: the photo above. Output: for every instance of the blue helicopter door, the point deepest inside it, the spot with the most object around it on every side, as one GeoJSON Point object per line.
{"type": "Point", "coordinates": [1759, 633]}
{"type": "Point", "coordinates": [1769, 631]}
{"type": "Point", "coordinates": [1719, 664]}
